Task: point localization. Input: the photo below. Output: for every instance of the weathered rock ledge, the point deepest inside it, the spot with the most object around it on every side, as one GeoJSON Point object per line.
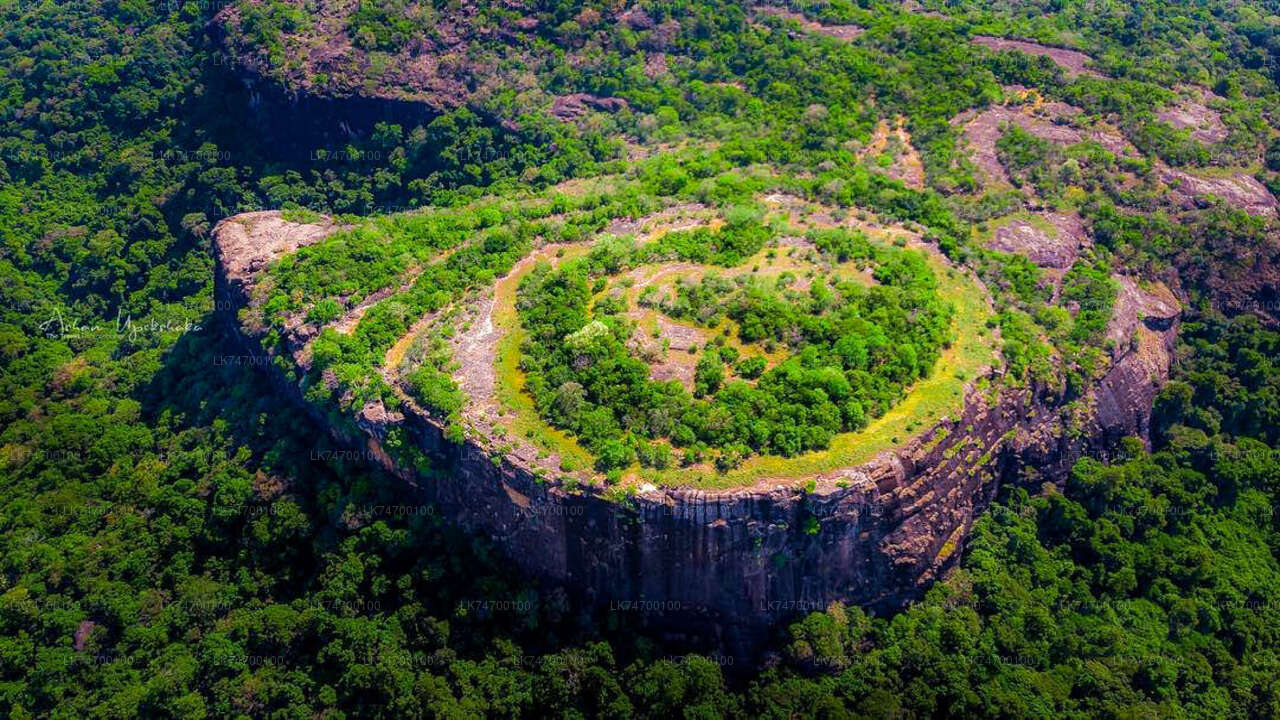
{"type": "Point", "coordinates": [729, 565]}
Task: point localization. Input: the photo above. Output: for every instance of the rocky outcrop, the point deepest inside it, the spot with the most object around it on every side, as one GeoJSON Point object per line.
{"type": "Point", "coordinates": [982, 131]}
{"type": "Point", "coordinates": [330, 56]}
{"type": "Point", "coordinates": [840, 32]}
{"type": "Point", "coordinates": [730, 565]}
{"type": "Point", "coordinates": [1238, 190]}
{"type": "Point", "coordinates": [1054, 242]}
{"type": "Point", "coordinates": [320, 82]}
{"type": "Point", "coordinates": [1191, 114]}
{"type": "Point", "coordinates": [571, 107]}
{"type": "Point", "coordinates": [1072, 62]}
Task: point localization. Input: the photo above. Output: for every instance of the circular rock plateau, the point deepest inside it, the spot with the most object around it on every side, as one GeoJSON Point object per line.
{"type": "Point", "coordinates": [404, 336]}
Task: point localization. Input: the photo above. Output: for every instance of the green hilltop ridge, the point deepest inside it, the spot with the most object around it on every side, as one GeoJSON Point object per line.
{"type": "Point", "coordinates": [401, 312]}
{"type": "Point", "coordinates": [1015, 188]}
{"type": "Point", "coordinates": [463, 211]}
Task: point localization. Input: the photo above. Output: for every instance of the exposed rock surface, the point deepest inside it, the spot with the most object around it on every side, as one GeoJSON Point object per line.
{"type": "Point", "coordinates": [1072, 62]}
{"type": "Point", "coordinates": [1238, 190]}
{"type": "Point", "coordinates": [569, 107]}
{"type": "Point", "coordinates": [1055, 247]}
{"type": "Point", "coordinates": [327, 56]}
{"type": "Point", "coordinates": [728, 565]}
{"type": "Point", "coordinates": [1051, 121]}
{"type": "Point", "coordinates": [981, 131]}
{"type": "Point", "coordinates": [840, 32]}
{"type": "Point", "coordinates": [248, 243]}
{"type": "Point", "coordinates": [1190, 113]}
{"type": "Point", "coordinates": [1141, 329]}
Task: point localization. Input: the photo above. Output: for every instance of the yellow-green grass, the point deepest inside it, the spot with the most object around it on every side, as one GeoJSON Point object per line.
{"type": "Point", "coordinates": [1039, 222]}
{"type": "Point", "coordinates": [522, 419]}
{"type": "Point", "coordinates": [928, 401]}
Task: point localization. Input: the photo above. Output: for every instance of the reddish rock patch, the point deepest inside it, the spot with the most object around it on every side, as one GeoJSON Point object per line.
{"type": "Point", "coordinates": [1073, 62]}
{"type": "Point", "coordinates": [840, 32]}
{"type": "Point", "coordinates": [913, 6]}
{"type": "Point", "coordinates": [985, 129]}
{"type": "Point", "coordinates": [1056, 249]}
{"type": "Point", "coordinates": [571, 107]}
{"type": "Point", "coordinates": [325, 59]}
{"type": "Point", "coordinates": [668, 354]}
{"type": "Point", "coordinates": [1114, 143]}
{"type": "Point", "coordinates": [1240, 191]}
{"type": "Point", "coordinates": [655, 64]}
{"type": "Point", "coordinates": [1191, 113]}
{"type": "Point", "coordinates": [83, 632]}
{"type": "Point", "coordinates": [247, 243]}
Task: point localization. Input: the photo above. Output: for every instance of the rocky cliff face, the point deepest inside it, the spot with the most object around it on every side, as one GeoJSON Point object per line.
{"type": "Point", "coordinates": [732, 564]}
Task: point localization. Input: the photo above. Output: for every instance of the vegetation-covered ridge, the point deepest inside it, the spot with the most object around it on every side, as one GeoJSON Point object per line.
{"type": "Point", "coordinates": [174, 545]}
{"type": "Point", "coordinates": [702, 130]}
{"type": "Point", "coordinates": [854, 350]}
{"type": "Point", "coordinates": [397, 312]}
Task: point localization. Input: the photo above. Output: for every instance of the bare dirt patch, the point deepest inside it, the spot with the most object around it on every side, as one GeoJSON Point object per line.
{"type": "Point", "coordinates": [1073, 62]}
{"type": "Point", "coordinates": [787, 242]}
{"type": "Point", "coordinates": [905, 163]}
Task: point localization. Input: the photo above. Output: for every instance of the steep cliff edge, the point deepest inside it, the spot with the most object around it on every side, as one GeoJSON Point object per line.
{"type": "Point", "coordinates": [733, 563]}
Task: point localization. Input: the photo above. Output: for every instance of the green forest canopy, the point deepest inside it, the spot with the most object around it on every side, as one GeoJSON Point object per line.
{"type": "Point", "coordinates": [173, 545]}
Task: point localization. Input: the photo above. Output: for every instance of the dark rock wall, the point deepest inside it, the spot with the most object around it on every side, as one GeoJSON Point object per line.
{"type": "Point", "coordinates": [730, 565]}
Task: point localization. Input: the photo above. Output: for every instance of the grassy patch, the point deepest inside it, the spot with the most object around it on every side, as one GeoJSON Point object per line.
{"type": "Point", "coordinates": [522, 417]}
{"type": "Point", "coordinates": [931, 399]}
{"type": "Point", "coordinates": [939, 395]}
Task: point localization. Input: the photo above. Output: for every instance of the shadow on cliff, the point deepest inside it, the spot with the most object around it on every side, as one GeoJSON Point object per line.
{"type": "Point", "coordinates": [206, 385]}
{"type": "Point", "coordinates": [341, 154]}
